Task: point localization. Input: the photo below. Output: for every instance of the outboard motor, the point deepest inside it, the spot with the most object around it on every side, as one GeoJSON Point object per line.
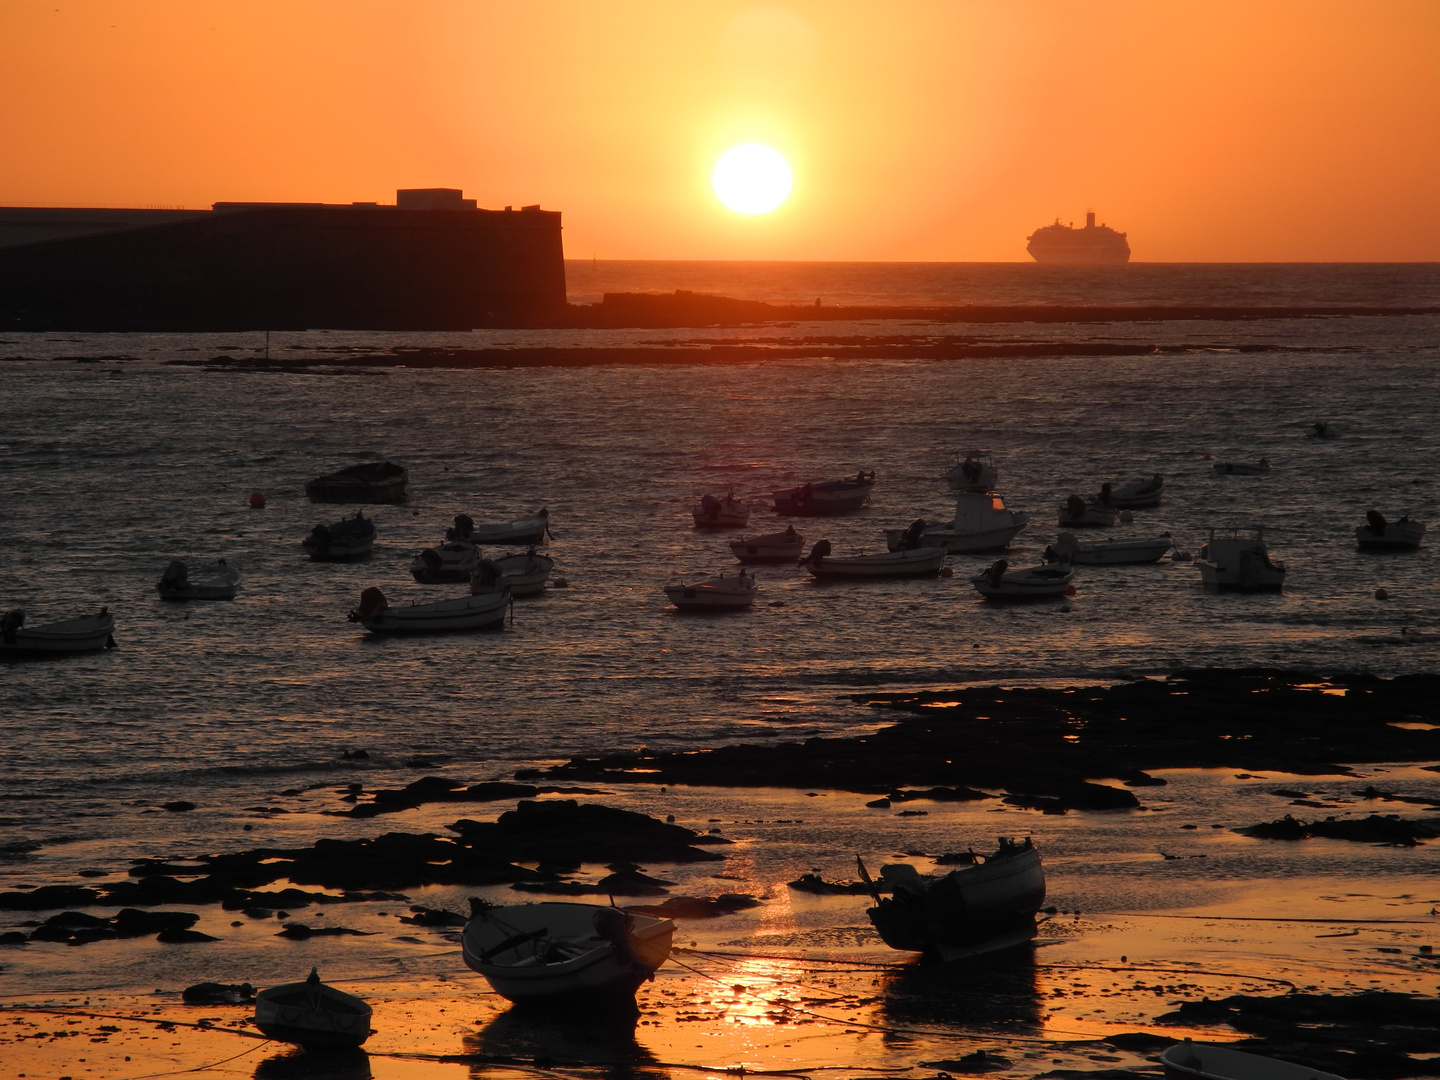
{"type": "Point", "coordinates": [175, 577]}
{"type": "Point", "coordinates": [1075, 506]}
{"type": "Point", "coordinates": [320, 537]}
{"type": "Point", "coordinates": [431, 558]}
{"type": "Point", "coordinates": [1105, 494]}
{"type": "Point", "coordinates": [911, 539]}
{"type": "Point", "coordinates": [997, 571]}
{"type": "Point", "coordinates": [372, 602]}
{"type": "Point", "coordinates": [10, 623]}
{"type": "Point", "coordinates": [484, 578]}
{"type": "Point", "coordinates": [710, 506]}
{"type": "Point", "coordinates": [1377, 522]}
{"type": "Point", "coordinates": [464, 526]}
{"type": "Point", "coordinates": [818, 552]}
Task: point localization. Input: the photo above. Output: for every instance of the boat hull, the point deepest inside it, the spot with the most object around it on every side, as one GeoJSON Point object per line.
{"type": "Point", "coordinates": [726, 513]}
{"type": "Point", "coordinates": [1035, 583]}
{"type": "Point", "coordinates": [1231, 564]}
{"type": "Point", "coordinates": [915, 562]}
{"type": "Point", "coordinates": [87, 634]}
{"type": "Point", "coordinates": [1204, 1061]}
{"type": "Point", "coordinates": [1395, 536]}
{"type": "Point", "coordinates": [706, 596]}
{"type": "Point", "coordinates": [824, 499]}
{"type": "Point", "coordinates": [449, 563]}
{"type": "Point", "coordinates": [771, 548]}
{"type": "Point", "coordinates": [960, 543]}
{"type": "Point", "coordinates": [207, 583]}
{"type": "Point", "coordinates": [1141, 495]}
{"type": "Point", "coordinates": [1111, 552]}
{"type": "Point", "coordinates": [483, 612]}
{"type": "Point", "coordinates": [521, 532]}
{"type": "Point", "coordinates": [526, 575]}
{"type": "Point", "coordinates": [373, 482]}
{"type": "Point", "coordinates": [343, 541]}
{"type": "Point", "coordinates": [316, 1017]}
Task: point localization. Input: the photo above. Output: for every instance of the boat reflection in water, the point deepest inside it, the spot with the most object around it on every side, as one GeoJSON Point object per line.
{"type": "Point", "coordinates": [576, 1038]}
{"type": "Point", "coordinates": [351, 1064]}
{"type": "Point", "coordinates": [995, 992]}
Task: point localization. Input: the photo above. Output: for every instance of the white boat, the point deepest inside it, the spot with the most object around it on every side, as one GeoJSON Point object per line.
{"type": "Point", "coordinates": [1378, 534]}
{"type": "Point", "coordinates": [1031, 583]}
{"type": "Point", "coordinates": [932, 914]}
{"type": "Point", "coordinates": [526, 574]}
{"type": "Point", "coordinates": [1239, 563]}
{"type": "Point", "coordinates": [981, 523]}
{"type": "Point", "coordinates": [784, 546]}
{"type": "Point", "coordinates": [454, 560]}
{"type": "Point", "coordinates": [521, 532]}
{"type": "Point", "coordinates": [826, 496]}
{"type": "Point", "coordinates": [1205, 1061]}
{"type": "Point", "coordinates": [1141, 495]}
{"type": "Point", "coordinates": [727, 512]}
{"type": "Point", "coordinates": [974, 471]}
{"type": "Point", "coordinates": [1076, 513]}
{"type": "Point", "coordinates": [314, 1015]}
{"type": "Point", "coordinates": [485, 611]}
{"type": "Point", "coordinates": [912, 562]}
{"type": "Point", "coordinates": [88, 633]}
{"type": "Point", "coordinates": [549, 952]}
{"type": "Point", "coordinates": [343, 540]}
{"type": "Point", "coordinates": [1243, 468]}
{"type": "Point", "coordinates": [1107, 552]}
{"type": "Point", "coordinates": [213, 581]}
{"type": "Point", "coordinates": [715, 594]}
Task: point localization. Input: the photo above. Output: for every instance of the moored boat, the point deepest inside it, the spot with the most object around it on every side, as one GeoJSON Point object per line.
{"type": "Point", "coordinates": [974, 471]}
{"type": "Point", "coordinates": [1030, 583]}
{"type": "Point", "coordinates": [522, 531]}
{"type": "Point", "coordinates": [371, 482]}
{"type": "Point", "coordinates": [1107, 552]}
{"type": "Point", "coordinates": [1141, 495]}
{"type": "Point", "coordinates": [910, 562]}
{"type": "Point", "coordinates": [725, 512]}
{"type": "Point", "coordinates": [452, 561]}
{"type": "Point", "coordinates": [981, 523]}
{"type": "Point", "coordinates": [526, 573]}
{"type": "Point", "coordinates": [341, 541]}
{"type": "Point", "coordinates": [313, 1015]}
{"type": "Point", "coordinates": [482, 611]}
{"type": "Point", "coordinates": [785, 546]}
{"type": "Point", "coordinates": [89, 633]}
{"type": "Point", "coordinates": [549, 952]}
{"type": "Point", "coordinates": [1243, 468]}
{"type": "Point", "coordinates": [720, 593]}
{"type": "Point", "coordinates": [1205, 1061]}
{"type": "Point", "coordinates": [1377, 534]}
{"type": "Point", "coordinates": [1079, 513]}
{"type": "Point", "coordinates": [1240, 564]}
{"type": "Point", "coordinates": [213, 581]}
{"type": "Point", "coordinates": [826, 496]}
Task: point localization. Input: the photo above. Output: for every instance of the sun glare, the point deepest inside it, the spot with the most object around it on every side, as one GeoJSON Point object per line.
{"type": "Point", "coordinates": [752, 179]}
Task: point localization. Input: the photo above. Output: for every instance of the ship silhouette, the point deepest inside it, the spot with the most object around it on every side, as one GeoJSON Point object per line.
{"type": "Point", "coordinates": [1065, 245]}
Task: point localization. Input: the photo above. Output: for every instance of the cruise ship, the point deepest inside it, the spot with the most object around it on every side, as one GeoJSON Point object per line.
{"type": "Point", "coordinates": [1065, 245]}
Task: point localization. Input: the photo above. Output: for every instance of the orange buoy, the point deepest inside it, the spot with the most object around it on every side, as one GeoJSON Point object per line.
{"type": "Point", "coordinates": [1208, 457]}
{"type": "Point", "coordinates": [1382, 594]}
{"type": "Point", "coordinates": [1069, 590]}
{"type": "Point", "coordinates": [257, 501]}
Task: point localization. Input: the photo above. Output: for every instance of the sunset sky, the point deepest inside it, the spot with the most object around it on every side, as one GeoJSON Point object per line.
{"type": "Point", "coordinates": [1248, 131]}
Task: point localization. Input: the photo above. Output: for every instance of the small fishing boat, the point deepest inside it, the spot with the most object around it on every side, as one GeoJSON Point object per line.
{"type": "Point", "coordinates": [482, 611]}
{"type": "Point", "coordinates": [526, 574]}
{"type": "Point", "coordinates": [341, 541]}
{"type": "Point", "coordinates": [1243, 468]}
{"type": "Point", "coordinates": [1141, 495]}
{"type": "Point", "coordinates": [974, 903]}
{"type": "Point", "coordinates": [973, 471]}
{"type": "Point", "coordinates": [721, 513]}
{"type": "Point", "coordinates": [214, 581]}
{"type": "Point", "coordinates": [772, 547]}
{"type": "Point", "coordinates": [1078, 513]}
{"type": "Point", "coordinates": [89, 633]}
{"type": "Point", "coordinates": [521, 532]}
{"type": "Point", "coordinates": [715, 594]}
{"type": "Point", "coordinates": [911, 562]}
{"type": "Point", "coordinates": [1240, 564]}
{"type": "Point", "coordinates": [1378, 534]}
{"type": "Point", "coordinates": [1205, 1061]}
{"type": "Point", "coordinates": [452, 561]}
{"type": "Point", "coordinates": [371, 482]}
{"type": "Point", "coordinates": [313, 1015]}
{"type": "Point", "coordinates": [1031, 583]}
{"type": "Point", "coordinates": [1107, 552]}
{"type": "Point", "coordinates": [826, 496]}
{"type": "Point", "coordinates": [549, 952]}
{"type": "Point", "coordinates": [981, 523]}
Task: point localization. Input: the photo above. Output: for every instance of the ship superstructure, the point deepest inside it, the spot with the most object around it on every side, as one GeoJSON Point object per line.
{"type": "Point", "coordinates": [1065, 245]}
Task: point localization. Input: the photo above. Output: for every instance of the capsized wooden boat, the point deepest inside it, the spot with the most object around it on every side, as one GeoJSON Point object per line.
{"type": "Point", "coordinates": [1141, 495]}
{"type": "Point", "coordinates": [522, 531]}
{"type": "Point", "coordinates": [314, 1015]}
{"type": "Point", "coordinates": [976, 902]}
{"type": "Point", "coordinates": [89, 633]}
{"type": "Point", "coordinates": [213, 581]}
{"type": "Point", "coordinates": [826, 496]}
{"type": "Point", "coordinates": [341, 541]}
{"type": "Point", "coordinates": [784, 546]}
{"type": "Point", "coordinates": [1377, 534]}
{"type": "Point", "coordinates": [1205, 1061]}
{"type": "Point", "coordinates": [371, 482]}
{"type": "Point", "coordinates": [1239, 563]}
{"type": "Point", "coordinates": [911, 562]}
{"type": "Point", "coordinates": [485, 611]}
{"type": "Point", "coordinates": [1107, 552]}
{"type": "Point", "coordinates": [452, 561]}
{"type": "Point", "coordinates": [1078, 513]}
{"type": "Point", "coordinates": [973, 471]}
{"type": "Point", "coordinates": [1030, 583]}
{"type": "Point", "coordinates": [724, 512]}
{"type": "Point", "coordinates": [981, 523]}
{"type": "Point", "coordinates": [715, 594]}
{"type": "Point", "coordinates": [550, 952]}
{"type": "Point", "coordinates": [526, 573]}
{"type": "Point", "coordinates": [1243, 468]}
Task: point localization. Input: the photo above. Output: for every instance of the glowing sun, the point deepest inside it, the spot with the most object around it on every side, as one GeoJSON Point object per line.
{"type": "Point", "coordinates": [751, 179]}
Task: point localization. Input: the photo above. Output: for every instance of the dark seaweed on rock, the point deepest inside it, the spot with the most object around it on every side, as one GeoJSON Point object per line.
{"type": "Point", "coordinates": [438, 789]}
{"type": "Point", "coordinates": [1377, 828]}
{"type": "Point", "coordinates": [697, 907]}
{"type": "Point", "coordinates": [562, 829]}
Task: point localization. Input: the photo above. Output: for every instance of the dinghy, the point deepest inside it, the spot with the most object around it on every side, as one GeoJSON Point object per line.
{"type": "Point", "coordinates": [215, 581]}
{"type": "Point", "coordinates": [485, 611]}
{"type": "Point", "coordinates": [1377, 534]}
{"type": "Point", "coordinates": [521, 532]}
{"type": "Point", "coordinates": [1205, 1061]}
{"type": "Point", "coordinates": [826, 496]}
{"type": "Point", "coordinates": [1141, 495]}
{"type": "Point", "coordinates": [454, 560]}
{"type": "Point", "coordinates": [1031, 583]}
{"type": "Point", "coordinates": [721, 513]}
{"type": "Point", "coordinates": [912, 562]}
{"type": "Point", "coordinates": [772, 547]}
{"type": "Point", "coordinates": [341, 541]}
{"type": "Point", "coordinates": [1077, 513]}
{"type": "Point", "coordinates": [1106, 552]}
{"type": "Point", "coordinates": [372, 482]}
{"type": "Point", "coordinates": [715, 594]}
{"type": "Point", "coordinates": [89, 633]}
{"type": "Point", "coordinates": [313, 1015]}
{"type": "Point", "coordinates": [526, 574]}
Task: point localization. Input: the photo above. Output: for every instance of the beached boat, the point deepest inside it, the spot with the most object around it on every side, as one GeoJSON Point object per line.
{"type": "Point", "coordinates": [974, 903]}
{"type": "Point", "coordinates": [826, 496]}
{"type": "Point", "coordinates": [1030, 583]}
{"type": "Point", "coordinates": [1377, 534]}
{"type": "Point", "coordinates": [981, 523]}
{"type": "Point", "coordinates": [1078, 513]}
{"type": "Point", "coordinates": [974, 471]}
{"type": "Point", "coordinates": [1107, 552]}
{"type": "Point", "coordinates": [1239, 563]}
{"type": "Point", "coordinates": [1243, 468]}
{"type": "Point", "coordinates": [526, 574]}
{"type": "Point", "coordinates": [452, 561]}
{"type": "Point", "coordinates": [341, 541]}
{"type": "Point", "coordinates": [521, 532]}
{"type": "Point", "coordinates": [784, 546]}
{"type": "Point", "coordinates": [1141, 495]}
{"type": "Point", "coordinates": [546, 953]}
{"type": "Point", "coordinates": [911, 562]}
{"type": "Point", "coordinates": [316, 1016]}
{"type": "Point", "coordinates": [714, 594]}
{"type": "Point", "coordinates": [212, 581]}
{"type": "Point", "coordinates": [483, 611]}
{"type": "Point", "coordinates": [372, 482]}
{"type": "Point", "coordinates": [1205, 1061]}
{"type": "Point", "coordinates": [88, 633]}
{"type": "Point", "coordinates": [726, 512]}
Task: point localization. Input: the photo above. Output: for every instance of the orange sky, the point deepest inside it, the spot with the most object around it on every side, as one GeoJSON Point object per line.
{"type": "Point", "coordinates": [1257, 130]}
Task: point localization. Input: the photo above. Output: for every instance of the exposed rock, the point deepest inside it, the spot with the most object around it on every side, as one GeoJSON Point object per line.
{"type": "Point", "coordinates": [697, 907]}
{"type": "Point", "coordinates": [300, 932]}
{"type": "Point", "coordinates": [214, 993]}
{"type": "Point", "coordinates": [814, 883]}
{"type": "Point", "coordinates": [1377, 829]}
{"type": "Point", "coordinates": [182, 937]}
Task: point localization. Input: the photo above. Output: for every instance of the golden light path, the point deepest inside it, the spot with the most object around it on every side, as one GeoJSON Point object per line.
{"type": "Point", "coordinates": [752, 179]}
